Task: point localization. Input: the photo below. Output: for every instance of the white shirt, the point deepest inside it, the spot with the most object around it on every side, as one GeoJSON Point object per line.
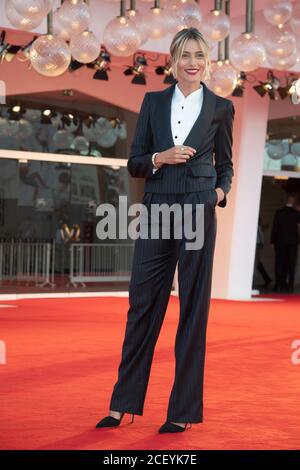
{"type": "Point", "coordinates": [184, 113]}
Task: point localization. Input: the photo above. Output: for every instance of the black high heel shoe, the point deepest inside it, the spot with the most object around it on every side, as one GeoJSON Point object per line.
{"type": "Point", "coordinates": [171, 427]}
{"type": "Point", "coordinates": [111, 422]}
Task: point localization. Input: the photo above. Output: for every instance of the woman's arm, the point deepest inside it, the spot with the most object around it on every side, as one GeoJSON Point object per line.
{"type": "Point", "coordinates": [223, 153]}
{"type": "Point", "coordinates": [139, 163]}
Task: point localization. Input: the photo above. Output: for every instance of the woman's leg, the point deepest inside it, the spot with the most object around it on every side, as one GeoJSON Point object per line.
{"type": "Point", "coordinates": [154, 264]}
{"type": "Point", "coordinates": [194, 279]}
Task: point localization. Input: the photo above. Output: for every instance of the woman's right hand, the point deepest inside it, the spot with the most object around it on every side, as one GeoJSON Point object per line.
{"type": "Point", "coordinates": [174, 155]}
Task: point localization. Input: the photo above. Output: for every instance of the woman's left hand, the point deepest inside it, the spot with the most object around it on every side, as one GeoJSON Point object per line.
{"type": "Point", "coordinates": [220, 194]}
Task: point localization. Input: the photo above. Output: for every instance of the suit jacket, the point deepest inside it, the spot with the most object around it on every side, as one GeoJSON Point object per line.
{"type": "Point", "coordinates": [211, 136]}
{"type": "Point", "coordinates": [285, 226]}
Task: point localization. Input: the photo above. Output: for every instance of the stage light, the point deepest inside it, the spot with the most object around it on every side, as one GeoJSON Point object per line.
{"type": "Point", "coordinates": [289, 88]}
{"type": "Point", "coordinates": [240, 87]}
{"type": "Point", "coordinates": [166, 70]}
{"type": "Point", "coordinates": [101, 65]}
{"type": "Point", "coordinates": [47, 115]}
{"type": "Point", "coordinates": [15, 112]}
{"type": "Point", "coordinates": [270, 86]}
{"type": "Point", "coordinates": [137, 69]}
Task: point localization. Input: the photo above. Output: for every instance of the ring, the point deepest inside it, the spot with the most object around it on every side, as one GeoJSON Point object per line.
{"type": "Point", "coordinates": [182, 149]}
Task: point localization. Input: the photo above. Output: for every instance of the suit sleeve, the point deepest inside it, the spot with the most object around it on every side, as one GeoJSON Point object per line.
{"type": "Point", "coordinates": [139, 163]}
{"type": "Point", "coordinates": [223, 152]}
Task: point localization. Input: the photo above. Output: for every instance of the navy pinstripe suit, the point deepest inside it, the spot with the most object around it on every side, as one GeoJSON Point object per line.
{"type": "Point", "coordinates": [155, 260]}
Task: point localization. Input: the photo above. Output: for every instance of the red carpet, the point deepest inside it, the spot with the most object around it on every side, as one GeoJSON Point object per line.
{"type": "Point", "coordinates": [62, 359]}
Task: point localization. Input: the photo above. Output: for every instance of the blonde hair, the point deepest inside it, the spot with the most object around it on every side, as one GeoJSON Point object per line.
{"type": "Point", "coordinates": [178, 44]}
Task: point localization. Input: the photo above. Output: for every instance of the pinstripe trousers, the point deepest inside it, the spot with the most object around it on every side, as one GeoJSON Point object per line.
{"type": "Point", "coordinates": [153, 268]}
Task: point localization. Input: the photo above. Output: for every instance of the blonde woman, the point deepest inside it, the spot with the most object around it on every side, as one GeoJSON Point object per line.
{"type": "Point", "coordinates": [183, 148]}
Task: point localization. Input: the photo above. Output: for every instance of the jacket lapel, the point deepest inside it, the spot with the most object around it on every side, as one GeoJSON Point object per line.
{"type": "Point", "coordinates": [196, 136]}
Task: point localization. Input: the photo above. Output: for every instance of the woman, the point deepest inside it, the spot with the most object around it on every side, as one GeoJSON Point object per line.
{"type": "Point", "coordinates": [178, 131]}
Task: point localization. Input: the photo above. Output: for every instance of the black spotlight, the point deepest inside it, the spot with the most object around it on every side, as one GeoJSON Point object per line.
{"type": "Point", "coordinates": [75, 65]}
{"type": "Point", "coordinates": [166, 70]}
{"type": "Point", "coordinates": [240, 87]}
{"type": "Point", "coordinates": [101, 65]}
{"type": "Point", "coordinates": [15, 112]}
{"type": "Point", "coordinates": [69, 118]}
{"type": "Point", "coordinates": [288, 89]}
{"type": "Point", "coordinates": [47, 115]}
{"type": "Point", "coordinates": [7, 51]}
{"type": "Point", "coordinates": [270, 86]}
{"type": "Point", "coordinates": [139, 63]}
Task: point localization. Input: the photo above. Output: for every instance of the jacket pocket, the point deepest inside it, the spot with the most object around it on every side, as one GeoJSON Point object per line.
{"type": "Point", "coordinates": [205, 170]}
{"type": "Point", "coordinates": [157, 175]}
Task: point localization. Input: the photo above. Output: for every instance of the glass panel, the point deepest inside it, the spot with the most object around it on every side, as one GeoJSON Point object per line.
{"type": "Point", "coordinates": [51, 123]}
{"type": "Point", "coordinates": [48, 222]}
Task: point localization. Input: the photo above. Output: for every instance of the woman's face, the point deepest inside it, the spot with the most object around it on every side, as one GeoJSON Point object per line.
{"type": "Point", "coordinates": [191, 65]}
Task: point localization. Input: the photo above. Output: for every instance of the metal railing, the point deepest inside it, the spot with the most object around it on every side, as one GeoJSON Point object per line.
{"type": "Point", "coordinates": [103, 262]}
{"type": "Point", "coordinates": [37, 262]}
{"type": "Point", "coordinates": [27, 261]}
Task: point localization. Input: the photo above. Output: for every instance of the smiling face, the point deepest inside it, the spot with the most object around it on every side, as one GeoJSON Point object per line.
{"type": "Point", "coordinates": [191, 64]}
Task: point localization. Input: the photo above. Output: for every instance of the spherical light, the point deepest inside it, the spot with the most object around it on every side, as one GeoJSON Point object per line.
{"type": "Point", "coordinates": [137, 18]}
{"type": "Point", "coordinates": [56, 120]}
{"type": "Point", "coordinates": [154, 23]}
{"type": "Point", "coordinates": [278, 11]}
{"type": "Point", "coordinates": [188, 13]}
{"type": "Point", "coordinates": [121, 131]}
{"type": "Point", "coordinates": [89, 133]}
{"type": "Point", "coordinates": [284, 63]}
{"type": "Point", "coordinates": [81, 144]}
{"type": "Point", "coordinates": [58, 29]}
{"type": "Point", "coordinates": [102, 125]}
{"type": "Point", "coordinates": [276, 149]}
{"type": "Point", "coordinates": [295, 149]}
{"type": "Point", "coordinates": [62, 139]}
{"type": "Point", "coordinates": [295, 20]}
{"type": "Point", "coordinates": [108, 139]}
{"type": "Point", "coordinates": [223, 78]}
{"type": "Point", "coordinates": [289, 162]}
{"type": "Point", "coordinates": [247, 52]}
{"type": "Point", "coordinates": [32, 115]}
{"type": "Point", "coordinates": [84, 47]}
{"type": "Point", "coordinates": [25, 129]}
{"type": "Point", "coordinates": [50, 55]}
{"type": "Point", "coordinates": [171, 21]}
{"type": "Point", "coordinates": [74, 16]}
{"type": "Point", "coordinates": [32, 8]}
{"type": "Point", "coordinates": [280, 42]}
{"type": "Point", "coordinates": [121, 37]}
{"type": "Point", "coordinates": [216, 25]}
{"type": "Point", "coordinates": [19, 21]}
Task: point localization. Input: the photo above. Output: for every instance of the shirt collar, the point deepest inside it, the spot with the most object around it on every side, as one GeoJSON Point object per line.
{"type": "Point", "coordinates": [192, 97]}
